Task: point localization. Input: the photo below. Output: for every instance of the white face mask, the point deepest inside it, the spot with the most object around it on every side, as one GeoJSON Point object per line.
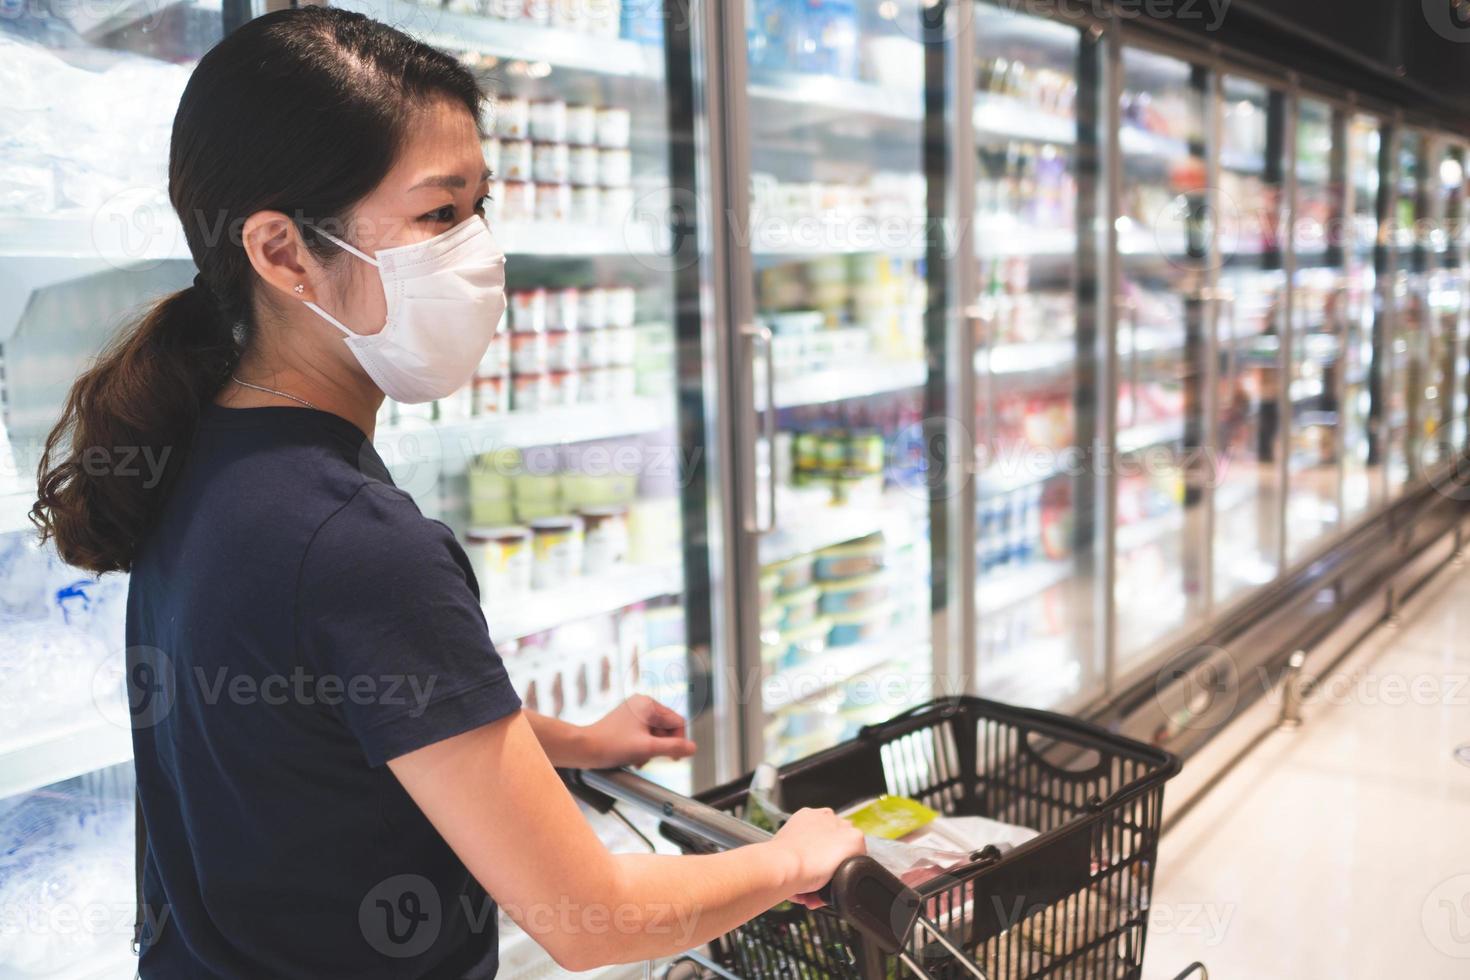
{"type": "Point", "coordinates": [446, 299]}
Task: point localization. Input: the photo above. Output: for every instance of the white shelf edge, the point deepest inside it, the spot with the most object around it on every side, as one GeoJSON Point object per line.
{"type": "Point", "coordinates": [523, 614]}
{"type": "Point", "coordinates": [836, 384]}
{"type": "Point", "coordinates": [832, 92]}
{"type": "Point", "coordinates": [456, 438]}
{"type": "Point", "coordinates": [1009, 587]}
{"type": "Point", "coordinates": [62, 752]}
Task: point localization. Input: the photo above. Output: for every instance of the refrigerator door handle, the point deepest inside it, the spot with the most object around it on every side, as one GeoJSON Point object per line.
{"type": "Point", "coordinates": [754, 335]}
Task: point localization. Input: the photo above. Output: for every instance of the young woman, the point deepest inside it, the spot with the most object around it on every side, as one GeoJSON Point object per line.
{"type": "Point", "coordinates": [333, 767]}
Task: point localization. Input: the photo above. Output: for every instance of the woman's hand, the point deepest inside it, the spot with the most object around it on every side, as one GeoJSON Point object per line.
{"type": "Point", "coordinates": [634, 732]}
{"type": "Point", "coordinates": [818, 841]}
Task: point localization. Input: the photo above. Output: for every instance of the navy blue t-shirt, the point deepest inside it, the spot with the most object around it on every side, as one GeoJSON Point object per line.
{"type": "Point", "coordinates": [294, 622]}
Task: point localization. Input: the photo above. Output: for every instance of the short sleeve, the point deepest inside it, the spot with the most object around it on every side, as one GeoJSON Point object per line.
{"type": "Point", "coordinates": [388, 615]}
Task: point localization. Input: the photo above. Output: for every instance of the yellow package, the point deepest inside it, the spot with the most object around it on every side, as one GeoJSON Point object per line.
{"type": "Point", "coordinates": [891, 817]}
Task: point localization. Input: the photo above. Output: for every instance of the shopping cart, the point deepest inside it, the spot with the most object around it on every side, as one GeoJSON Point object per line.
{"type": "Point", "coordinates": [1070, 903]}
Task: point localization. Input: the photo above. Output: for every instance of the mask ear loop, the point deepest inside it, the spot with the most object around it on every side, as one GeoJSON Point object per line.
{"type": "Point", "coordinates": [347, 248]}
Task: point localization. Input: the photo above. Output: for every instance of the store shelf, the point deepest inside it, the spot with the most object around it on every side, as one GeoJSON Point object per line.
{"type": "Point", "coordinates": [1003, 587]}
{"type": "Point", "coordinates": [15, 506]}
{"type": "Point", "coordinates": [1002, 235]}
{"type": "Point", "coordinates": [840, 96]}
{"type": "Point", "coordinates": [1037, 357]}
{"type": "Point", "coordinates": [515, 41]}
{"type": "Point", "coordinates": [1136, 142]}
{"type": "Point", "coordinates": [1003, 115]}
{"type": "Point", "coordinates": [425, 440]}
{"type": "Point", "coordinates": [841, 383]}
{"type": "Point", "coordinates": [795, 686]}
{"type": "Point", "coordinates": [1149, 434]}
{"type": "Point", "coordinates": [62, 751]}
{"type": "Point", "coordinates": [515, 615]}
{"type": "Point", "coordinates": [803, 236]}
{"type": "Point", "coordinates": [567, 240]}
{"type": "Point", "coordinates": [810, 525]}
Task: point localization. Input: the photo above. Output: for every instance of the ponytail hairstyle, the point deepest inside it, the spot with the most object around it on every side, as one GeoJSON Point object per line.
{"type": "Point", "coordinates": [301, 111]}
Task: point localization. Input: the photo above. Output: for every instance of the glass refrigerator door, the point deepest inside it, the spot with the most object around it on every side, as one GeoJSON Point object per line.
{"type": "Point", "coordinates": [1164, 246]}
{"type": "Point", "coordinates": [86, 233]}
{"type": "Point", "coordinates": [1249, 323]}
{"type": "Point", "coordinates": [1446, 304]}
{"type": "Point", "coordinates": [1457, 225]}
{"type": "Point", "coordinates": [571, 468]}
{"type": "Point", "coordinates": [836, 232]}
{"type": "Point", "coordinates": [1363, 389]}
{"type": "Point", "coordinates": [1407, 368]}
{"type": "Point", "coordinates": [1318, 319]}
{"type": "Point", "coordinates": [1036, 359]}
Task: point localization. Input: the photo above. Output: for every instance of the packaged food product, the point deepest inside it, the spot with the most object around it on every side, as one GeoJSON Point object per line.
{"type": "Point", "coordinates": [517, 160]}
{"type": "Point", "coordinates": [803, 643]}
{"type": "Point", "coordinates": [548, 120]}
{"type": "Point", "coordinates": [800, 607]}
{"type": "Point", "coordinates": [622, 306]}
{"type": "Point", "coordinates": [528, 310]}
{"type": "Point", "coordinates": [490, 147]}
{"type": "Point", "coordinates": [512, 118]}
{"type": "Point", "coordinates": [595, 347]}
{"type": "Point", "coordinates": [615, 168]}
{"type": "Point", "coordinates": [586, 205]}
{"type": "Point", "coordinates": [853, 594]}
{"type": "Point", "coordinates": [553, 203]}
{"type": "Point", "coordinates": [561, 389]}
{"type": "Point", "coordinates": [585, 166]}
{"type": "Point", "coordinates": [557, 549]}
{"type": "Point", "coordinates": [614, 127]}
{"type": "Point", "coordinates": [519, 202]}
{"type": "Point", "coordinates": [606, 538]}
{"type": "Point", "coordinates": [890, 817]}
{"type": "Point", "coordinates": [561, 350]}
{"type": "Point", "coordinates": [502, 558]}
{"type": "Point", "coordinates": [492, 395]}
{"type": "Point", "coordinates": [528, 392]}
{"type": "Point", "coordinates": [596, 386]}
{"type": "Point", "coordinates": [497, 355]}
{"type": "Point", "coordinates": [794, 573]}
{"type": "Point", "coordinates": [528, 353]}
{"type": "Point", "coordinates": [622, 346]}
{"type": "Point", "coordinates": [861, 557]}
{"type": "Point", "coordinates": [581, 124]}
{"type": "Point", "coordinates": [592, 314]}
{"type": "Point", "coordinates": [851, 628]}
{"type": "Point", "coordinates": [551, 163]}
{"type": "Point", "coordinates": [563, 308]}
{"type": "Point", "coordinates": [490, 493]}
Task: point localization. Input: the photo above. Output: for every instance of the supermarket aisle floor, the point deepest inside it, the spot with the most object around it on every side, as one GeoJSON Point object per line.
{"type": "Point", "coordinates": [1340, 851]}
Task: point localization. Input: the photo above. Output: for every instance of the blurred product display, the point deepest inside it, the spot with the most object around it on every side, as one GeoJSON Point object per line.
{"type": "Point", "coordinates": [810, 404]}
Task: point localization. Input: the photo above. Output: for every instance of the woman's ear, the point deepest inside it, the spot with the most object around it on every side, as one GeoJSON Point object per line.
{"type": "Point", "coordinates": [279, 256]}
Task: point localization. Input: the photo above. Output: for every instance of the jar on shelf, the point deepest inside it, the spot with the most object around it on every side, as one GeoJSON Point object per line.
{"type": "Point", "coordinates": [584, 166]}
{"type": "Point", "coordinates": [606, 538]}
{"type": "Point", "coordinates": [548, 119]}
{"type": "Point", "coordinates": [512, 116]}
{"type": "Point", "coordinates": [557, 545]}
{"type": "Point", "coordinates": [622, 303]}
{"type": "Point", "coordinates": [528, 392]}
{"type": "Point", "coordinates": [587, 205]}
{"type": "Point", "coordinates": [563, 308]}
{"type": "Point", "coordinates": [596, 386]}
{"type": "Point", "coordinates": [553, 203]}
{"type": "Point", "coordinates": [528, 311]}
{"type": "Point", "coordinates": [622, 346]}
{"type": "Point", "coordinates": [617, 205]}
{"type": "Point", "coordinates": [492, 394]}
{"type": "Point", "coordinates": [517, 159]}
{"type": "Point", "coordinates": [501, 557]}
{"type": "Point", "coordinates": [561, 388]}
{"type": "Point", "coordinates": [497, 354]}
{"type": "Point", "coordinates": [595, 348]}
{"type": "Point", "coordinates": [615, 168]}
{"type": "Point", "coordinates": [528, 353]}
{"type": "Point", "coordinates": [520, 202]}
{"type": "Point", "coordinates": [551, 163]}
{"type": "Point", "coordinates": [581, 124]}
{"type": "Point", "coordinates": [614, 127]}
{"type": "Point", "coordinates": [562, 352]}
{"type": "Point", "coordinates": [592, 311]}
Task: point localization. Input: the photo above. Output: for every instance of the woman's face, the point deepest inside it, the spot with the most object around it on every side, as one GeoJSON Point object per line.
{"type": "Point", "coordinates": [439, 181]}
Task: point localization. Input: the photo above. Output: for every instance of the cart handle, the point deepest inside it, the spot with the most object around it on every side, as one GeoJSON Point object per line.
{"type": "Point", "coordinates": [863, 893]}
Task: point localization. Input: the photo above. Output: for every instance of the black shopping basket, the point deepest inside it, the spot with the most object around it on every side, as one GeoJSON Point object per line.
{"type": "Point", "coordinates": [1070, 903]}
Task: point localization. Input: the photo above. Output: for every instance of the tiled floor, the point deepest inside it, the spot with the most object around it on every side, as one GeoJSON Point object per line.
{"type": "Point", "coordinates": [1340, 851]}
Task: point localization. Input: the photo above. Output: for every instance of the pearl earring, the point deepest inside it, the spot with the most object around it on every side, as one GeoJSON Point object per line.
{"type": "Point", "coordinates": [300, 288]}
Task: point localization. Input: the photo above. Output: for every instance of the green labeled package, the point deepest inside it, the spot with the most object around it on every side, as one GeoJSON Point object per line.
{"type": "Point", "coordinates": [891, 817]}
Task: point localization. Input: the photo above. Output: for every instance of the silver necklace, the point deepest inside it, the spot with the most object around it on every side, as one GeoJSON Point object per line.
{"type": "Point", "coordinates": [272, 391]}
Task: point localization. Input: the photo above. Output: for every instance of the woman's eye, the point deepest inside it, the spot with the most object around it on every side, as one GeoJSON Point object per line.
{"type": "Point", "coordinates": [481, 204]}
{"type": "Point", "coordinates": [446, 213]}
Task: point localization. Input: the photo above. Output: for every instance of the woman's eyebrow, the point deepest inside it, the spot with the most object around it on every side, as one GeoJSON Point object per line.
{"type": "Point", "coordinates": [447, 180]}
